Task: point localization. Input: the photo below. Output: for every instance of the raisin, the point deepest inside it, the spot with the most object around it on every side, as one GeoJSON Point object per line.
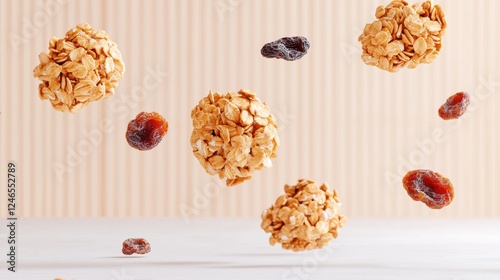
{"type": "Point", "coordinates": [287, 48]}
{"type": "Point", "coordinates": [135, 245]}
{"type": "Point", "coordinates": [429, 187]}
{"type": "Point", "coordinates": [146, 131]}
{"type": "Point", "coordinates": [455, 106]}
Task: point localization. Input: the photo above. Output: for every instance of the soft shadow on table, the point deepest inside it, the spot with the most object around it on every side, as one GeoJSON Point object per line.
{"type": "Point", "coordinates": [170, 263]}
{"type": "Point", "coordinates": [124, 257]}
{"type": "Point", "coordinates": [60, 265]}
{"type": "Point", "coordinates": [261, 255]}
{"type": "Point", "coordinates": [241, 265]}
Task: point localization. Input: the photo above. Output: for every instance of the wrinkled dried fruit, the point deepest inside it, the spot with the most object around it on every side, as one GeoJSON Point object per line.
{"type": "Point", "coordinates": [429, 187]}
{"type": "Point", "coordinates": [455, 106]}
{"type": "Point", "coordinates": [135, 246]}
{"type": "Point", "coordinates": [305, 217]}
{"type": "Point", "coordinates": [146, 130]}
{"type": "Point", "coordinates": [287, 48]}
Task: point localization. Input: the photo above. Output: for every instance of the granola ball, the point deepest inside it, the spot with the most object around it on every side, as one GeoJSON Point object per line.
{"type": "Point", "coordinates": [403, 35]}
{"type": "Point", "coordinates": [234, 134]}
{"type": "Point", "coordinates": [306, 217]}
{"type": "Point", "coordinates": [82, 67]}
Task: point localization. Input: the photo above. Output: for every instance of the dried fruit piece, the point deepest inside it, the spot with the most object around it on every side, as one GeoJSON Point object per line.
{"type": "Point", "coordinates": [234, 135]}
{"type": "Point", "coordinates": [305, 217]}
{"type": "Point", "coordinates": [82, 67]}
{"type": "Point", "coordinates": [146, 130]}
{"type": "Point", "coordinates": [455, 106]}
{"type": "Point", "coordinates": [135, 246]}
{"type": "Point", "coordinates": [429, 187]}
{"type": "Point", "coordinates": [287, 48]}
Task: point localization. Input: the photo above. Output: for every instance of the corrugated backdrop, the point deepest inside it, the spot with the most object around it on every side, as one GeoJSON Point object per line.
{"type": "Point", "coordinates": [354, 126]}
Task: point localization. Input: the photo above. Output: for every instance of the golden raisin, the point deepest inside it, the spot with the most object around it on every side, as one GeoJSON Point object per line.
{"type": "Point", "coordinates": [135, 245]}
{"type": "Point", "coordinates": [429, 187]}
{"type": "Point", "coordinates": [146, 130]}
{"type": "Point", "coordinates": [455, 106]}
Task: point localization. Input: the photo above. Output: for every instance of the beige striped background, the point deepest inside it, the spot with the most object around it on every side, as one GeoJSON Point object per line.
{"type": "Point", "coordinates": [354, 126]}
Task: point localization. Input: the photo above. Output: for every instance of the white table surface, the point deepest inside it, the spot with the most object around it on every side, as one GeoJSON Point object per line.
{"type": "Point", "coordinates": [238, 249]}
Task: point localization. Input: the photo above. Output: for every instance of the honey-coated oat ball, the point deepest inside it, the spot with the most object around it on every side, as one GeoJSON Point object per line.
{"type": "Point", "coordinates": [82, 67]}
{"type": "Point", "coordinates": [234, 135]}
{"type": "Point", "coordinates": [403, 35]}
{"type": "Point", "coordinates": [306, 217]}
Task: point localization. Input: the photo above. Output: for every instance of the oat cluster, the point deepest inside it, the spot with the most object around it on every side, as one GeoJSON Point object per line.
{"type": "Point", "coordinates": [306, 217]}
{"type": "Point", "coordinates": [82, 67]}
{"type": "Point", "coordinates": [234, 134]}
{"type": "Point", "coordinates": [403, 35]}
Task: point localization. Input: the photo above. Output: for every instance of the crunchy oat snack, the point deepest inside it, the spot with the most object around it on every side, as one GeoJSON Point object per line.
{"type": "Point", "coordinates": [82, 67]}
{"type": "Point", "coordinates": [306, 217]}
{"type": "Point", "coordinates": [403, 35]}
{"type": "Point", "coordinates": [234, 134]}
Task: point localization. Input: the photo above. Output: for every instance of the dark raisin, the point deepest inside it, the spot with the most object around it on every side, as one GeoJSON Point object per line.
{"type": "Point", "coordinates": [287, 48]}
{"type": "Point", "coordinates": [146, 131]}
{"type": "Point", "coordinates": [455, 106]}
{"type": "Point", "coordinates": [135, 246]}
{"type": "Point", "coordinates": [429, 187]}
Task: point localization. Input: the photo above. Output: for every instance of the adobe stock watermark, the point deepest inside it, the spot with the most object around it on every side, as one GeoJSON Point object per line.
{"type": "Point", "coordinates": [283, 118]}
{"type": "Point", "coordinates": [426, 147]}
{"type": "Point", "coordinates": [123, 103]}
{"type": "Point", "coordinates": [200, 199]}
{"type": "Point", "coordinates": [225, 6]}
{"type": "Point", "coordinates": [30, 26]}
{"type": "Point", "coordinates": [309, 265]}
{"type": "Point", "coordinates": [349, 49]}
{"type": "Point", "coordinates": [121, 275]}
